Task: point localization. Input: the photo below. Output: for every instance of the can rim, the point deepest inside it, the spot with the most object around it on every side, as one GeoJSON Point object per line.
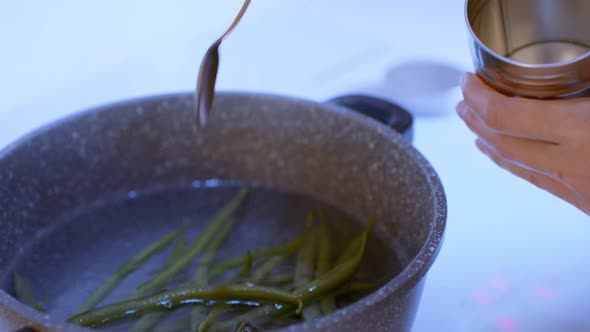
{"type": "Point", "coordinates": [514, 62]}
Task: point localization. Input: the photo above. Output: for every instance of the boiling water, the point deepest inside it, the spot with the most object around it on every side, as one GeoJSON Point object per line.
{"type": "Point", "coordinates": [73, 259]}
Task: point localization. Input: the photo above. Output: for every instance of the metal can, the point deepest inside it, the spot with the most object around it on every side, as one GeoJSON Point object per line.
{"type": "Point", "coordinates": [531, 48]}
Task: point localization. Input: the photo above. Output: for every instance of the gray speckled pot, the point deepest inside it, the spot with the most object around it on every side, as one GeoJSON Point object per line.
{"type": "Point", "coordinates": [323, 150]}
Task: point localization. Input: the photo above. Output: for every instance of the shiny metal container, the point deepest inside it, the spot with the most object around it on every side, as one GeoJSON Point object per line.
{"type": "Point", "coordinates": [532, 48]}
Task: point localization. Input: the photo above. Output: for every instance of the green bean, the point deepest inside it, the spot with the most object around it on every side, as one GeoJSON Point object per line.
{"type": "Point", "coordinates": [202, 279]}
{"type": "Point", "coordinates": [349, 251]}
{"type": "Point", "coordinates": [324, 263]}
{"type": "Point", "coordinates": [246, 270]}
{"type": "Point", "coordinates": [39, 306]}
{"type": "Point", "coordinates": [214, 225]}
{"type": "Point", "coordinates": [325, 250]}
{"type": "Point", "coordinates": [124, 270]}
{"type": "Point", "coordinates": [338, 275]}
{"type": "Point", "coordinates": [185, 295]}
{"type": "Point", "coordinates": [211, 317]}
{"type": "Point", "coordinates": [279, 279]}
{"type": "Point", "coordinates": [328, 283]}
{"type": "Point", "coordinates": [220, 309]}
{"type": "Point", "coordinates": [264, 270]}
{"type": "Point", "coordinates": [304, 269]}
{"type": "Point", "coordinates": [23, 290]}
{"type": "Point", "coordinates": [149, 320]}
{"type": "Point", "coordinates": [176, 252]}
{"type": "Point", "coordinates": [353, 246]}
{"type": "Point", "coordinates": [305, 261]}
{"type": "Point", "coordinates": [258, 276]}
{"type": "Point", "coordinates": [198, 315]}
{"type": "Point", "coordinates": [203, 267]}
{"type": "Point", "coordinates": [284, 249]}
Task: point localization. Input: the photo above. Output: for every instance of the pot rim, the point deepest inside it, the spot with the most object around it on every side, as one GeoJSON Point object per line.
{"type": "Point", "coordinates": [409, 277]}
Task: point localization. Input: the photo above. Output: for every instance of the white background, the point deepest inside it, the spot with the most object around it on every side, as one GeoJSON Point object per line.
{"type": "Point", "coordinates": [514, 257]}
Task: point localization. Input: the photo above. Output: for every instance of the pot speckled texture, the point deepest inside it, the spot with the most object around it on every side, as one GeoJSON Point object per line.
{"type": "Point", "coordinates": [327, 152]}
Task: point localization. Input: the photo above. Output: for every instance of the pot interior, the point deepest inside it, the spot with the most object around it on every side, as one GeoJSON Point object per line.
{"type": "Point", "coordinates": [80, 196]}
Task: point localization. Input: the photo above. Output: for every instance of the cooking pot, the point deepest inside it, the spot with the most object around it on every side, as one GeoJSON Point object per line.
{"type": "Point", "coordinates": [353, 152]}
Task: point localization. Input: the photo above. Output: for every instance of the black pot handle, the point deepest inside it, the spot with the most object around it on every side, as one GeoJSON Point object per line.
{"type": "Point", "coordinates": [392, 115]}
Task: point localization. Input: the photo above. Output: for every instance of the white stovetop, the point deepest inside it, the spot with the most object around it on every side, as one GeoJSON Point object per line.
{"type": "Point", "coordinates": [514, 258]}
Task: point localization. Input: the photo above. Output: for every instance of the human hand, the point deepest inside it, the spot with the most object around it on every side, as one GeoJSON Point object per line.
{"type": "Point", "coordinates": [546, 142]}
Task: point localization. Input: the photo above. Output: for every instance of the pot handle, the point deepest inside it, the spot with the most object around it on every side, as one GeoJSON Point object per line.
{"type": "Point", "coordinates": [388, 113]}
